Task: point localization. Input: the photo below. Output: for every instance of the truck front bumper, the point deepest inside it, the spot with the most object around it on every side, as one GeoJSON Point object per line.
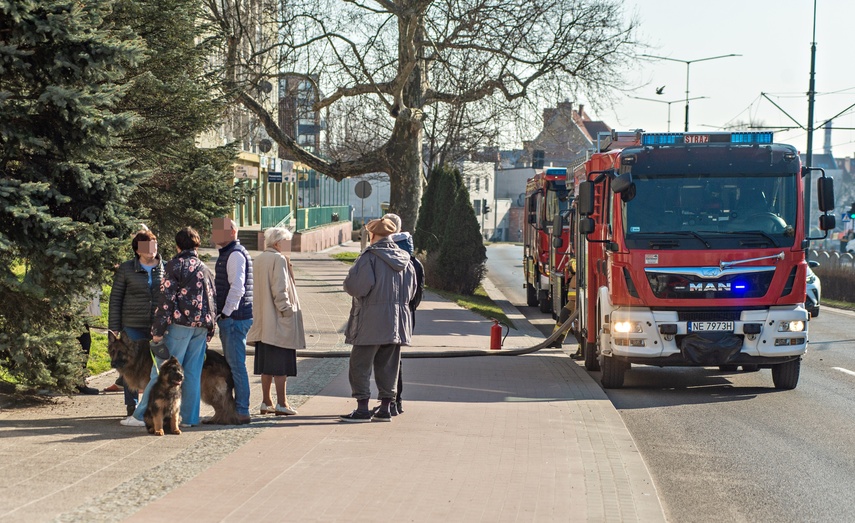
{"type": "Point", "coordinates": [769, 336]}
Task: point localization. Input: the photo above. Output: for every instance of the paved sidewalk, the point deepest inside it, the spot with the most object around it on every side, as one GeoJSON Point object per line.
{"type": "Point", "coordinates": [527, 438]}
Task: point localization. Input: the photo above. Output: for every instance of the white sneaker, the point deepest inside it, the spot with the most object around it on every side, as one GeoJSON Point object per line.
{"type": "Point", "coordinates": [131, 421]}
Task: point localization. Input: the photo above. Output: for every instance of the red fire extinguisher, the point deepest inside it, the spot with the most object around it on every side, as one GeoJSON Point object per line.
{"type": "Point", "coordinates": [496, 339]}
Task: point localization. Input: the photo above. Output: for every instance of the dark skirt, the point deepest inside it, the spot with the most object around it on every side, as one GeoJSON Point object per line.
{"type": "Point", "coordinates": [273, 360]}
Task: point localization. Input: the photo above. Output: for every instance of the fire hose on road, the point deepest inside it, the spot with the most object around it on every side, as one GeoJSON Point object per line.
{"type": "Point", "coordinates": [466, 353]}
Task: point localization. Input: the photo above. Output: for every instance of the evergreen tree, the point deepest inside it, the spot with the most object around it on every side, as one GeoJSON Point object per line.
{"type": "Point", "coordinates": [63, 214]}
{"type": "Point", "coordinates": [424, 238]}
{"type": "Point", "coordinates": [176, 101]}
{"type": "Point", "coordinates": [459, 264]}
{"type": "Point", "coordinates": [442, 186]}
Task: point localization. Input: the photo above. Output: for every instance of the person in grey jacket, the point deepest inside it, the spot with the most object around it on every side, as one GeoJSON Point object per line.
{"type": "Point", "coordinates": [135, 293]}
{"type": "Point", "coordinates": [382, 283]}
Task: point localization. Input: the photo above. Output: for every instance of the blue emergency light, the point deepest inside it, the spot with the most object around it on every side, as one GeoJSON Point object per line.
{"type": "Point", "coordinates": [742, 138]}
{"type": "Point", "coordinates": [740, 286]}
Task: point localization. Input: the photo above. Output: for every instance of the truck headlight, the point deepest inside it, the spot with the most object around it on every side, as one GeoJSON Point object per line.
{"type": "Point", "coordinates": [625, 327]}
{"type": "Point", "coordinates": [791, 326]}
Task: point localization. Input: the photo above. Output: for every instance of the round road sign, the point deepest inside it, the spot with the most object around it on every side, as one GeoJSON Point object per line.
{"type": "Point", "coordinates": [363, 189]}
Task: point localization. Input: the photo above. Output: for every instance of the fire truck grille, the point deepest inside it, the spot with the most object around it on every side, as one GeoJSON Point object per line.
{"type": "Point", "coordinates": [671, 285]}
{"type": "Point", "coordinates": [708, 315]}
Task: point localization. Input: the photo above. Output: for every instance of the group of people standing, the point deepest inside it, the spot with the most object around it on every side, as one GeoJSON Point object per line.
{"type": "Point", "coordinates": [181, 303]}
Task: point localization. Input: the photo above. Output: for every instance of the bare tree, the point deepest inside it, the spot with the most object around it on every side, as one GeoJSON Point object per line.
{"type": "Point", "coordinates": [391, 72]}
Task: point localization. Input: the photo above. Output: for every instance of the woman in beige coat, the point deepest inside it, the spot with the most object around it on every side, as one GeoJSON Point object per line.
{"type": "Point", "coordinates": [277, 323]}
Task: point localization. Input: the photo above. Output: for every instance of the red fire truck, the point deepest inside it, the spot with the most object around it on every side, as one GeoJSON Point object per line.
{"type": "Point", "coordinates": [691, 252]}
{"type": "Point", "coordinates": [545, 239]}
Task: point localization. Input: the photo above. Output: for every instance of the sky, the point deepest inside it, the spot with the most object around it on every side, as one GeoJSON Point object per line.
{"type": "Point", "coordinates": [774, 38]}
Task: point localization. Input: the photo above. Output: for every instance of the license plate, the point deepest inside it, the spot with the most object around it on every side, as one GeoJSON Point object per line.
{"type": "Point", "coordinates": [706, 326]}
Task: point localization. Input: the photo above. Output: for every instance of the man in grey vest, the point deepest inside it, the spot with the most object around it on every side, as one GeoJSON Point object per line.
{"type": "Point", "coordinates": [234, 303]}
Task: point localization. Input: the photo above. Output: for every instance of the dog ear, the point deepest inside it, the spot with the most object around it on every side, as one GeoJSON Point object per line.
{"type": "Point", "coordinates": [111, 336]}
{"type": "Point", "coordinates": [125, 338]}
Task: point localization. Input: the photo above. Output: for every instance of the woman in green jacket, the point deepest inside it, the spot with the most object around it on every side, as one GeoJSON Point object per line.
{"type": "Point", "coordinates": [135, 293]}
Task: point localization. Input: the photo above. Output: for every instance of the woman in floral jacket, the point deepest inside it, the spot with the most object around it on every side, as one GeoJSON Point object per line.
{"type": "Point", "coordinates": [185, 320]}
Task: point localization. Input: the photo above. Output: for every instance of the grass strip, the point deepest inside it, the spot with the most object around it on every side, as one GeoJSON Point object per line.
{"type": "Point", "coordinates": [478, 303]}
{"type": "Point", "coordinates": [837, 304]}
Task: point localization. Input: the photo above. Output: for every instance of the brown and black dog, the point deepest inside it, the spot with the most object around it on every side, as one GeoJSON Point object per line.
{"type": "Point", "coordinates": [164, 402]}
{"type": "Point", "coordinates": [133, 361]}
{"type": "Point", "coordinates": [131, 358]}
{"type": "Point", "coordinates": [218, 389]}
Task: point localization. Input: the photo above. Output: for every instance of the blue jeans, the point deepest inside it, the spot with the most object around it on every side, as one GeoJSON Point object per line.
{"type": "Point", "coordinates": [233, 337]}
{"type": "Point", "coordinates": [135, 333]}
{"type": "Point", "coordinates": [188, 345]}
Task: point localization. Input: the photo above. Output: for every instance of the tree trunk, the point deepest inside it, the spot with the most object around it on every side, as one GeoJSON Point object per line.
{"type": "Point", "coordinates": [404, 150]}
{"type": "Point", "coordinates": [404, 167]}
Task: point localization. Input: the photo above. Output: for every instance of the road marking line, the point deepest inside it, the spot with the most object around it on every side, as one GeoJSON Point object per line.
{"type": "Point", "coordinates": [847, 371]}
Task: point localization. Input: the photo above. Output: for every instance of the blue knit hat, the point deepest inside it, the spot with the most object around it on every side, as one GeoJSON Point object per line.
{"type": "Point", "coordinates": [403, 240]}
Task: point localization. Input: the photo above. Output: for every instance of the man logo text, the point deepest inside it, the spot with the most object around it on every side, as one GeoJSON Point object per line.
{"type": "Point", "coordinates": [709, 287]}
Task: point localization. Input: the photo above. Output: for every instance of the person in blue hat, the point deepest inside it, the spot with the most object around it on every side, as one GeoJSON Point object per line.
{"type": "Point", "coordinates": [404, 240]}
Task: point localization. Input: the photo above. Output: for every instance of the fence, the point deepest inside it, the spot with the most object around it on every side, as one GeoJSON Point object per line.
{"type": "Point", "coordinates": [836, 271]}
{"type": "Point", "coordinates": [312, 217]}
{"type": "Point", "coordinates": [275, 216]}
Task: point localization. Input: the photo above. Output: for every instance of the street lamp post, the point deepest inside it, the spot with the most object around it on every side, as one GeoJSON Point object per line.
{"type": "Point", "coordinates": [669, 104]}
{"type": "Point", "coordinates": [688, 63]}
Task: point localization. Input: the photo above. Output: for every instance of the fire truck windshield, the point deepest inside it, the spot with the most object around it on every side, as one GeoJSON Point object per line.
{"type": "Point", "coordinates": [709, 211]}
{"type": "Point", "coordinates": [557, 200]}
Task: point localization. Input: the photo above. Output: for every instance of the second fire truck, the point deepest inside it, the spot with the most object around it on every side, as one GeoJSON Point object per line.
{"type": "Point", "coordinates": [546, 246]}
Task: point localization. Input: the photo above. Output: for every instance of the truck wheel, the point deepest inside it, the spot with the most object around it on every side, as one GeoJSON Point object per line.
{"type": "Point", "coordinates": [785, 376]}
{"type": "Point", "coordinates": [613, 372]}
{"type": "Point", "coordinates": [544, 303]}
{"type": "Point", "coordinates": [530, 295]}
{"type": "Point", "coordinates": [589, 351]}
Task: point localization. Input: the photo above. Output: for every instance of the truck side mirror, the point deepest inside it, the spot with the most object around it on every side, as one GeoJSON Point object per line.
{"type": "Point", "coordinates": [622, 183]}
{"type": "Point", "coordinates": [585, 199]}
{"type": "Point", "coordinates": [827, 222]}
{"type": "Point", "coordinates": [557, 242]}
{"type": "Point", "coordinates": [629, 194]}
{"type": "Point", "coordinates": [586, 225]}
{"type": "Point", "coordinates": [825, 193]}
{"type": "Point", "coordinates": [557, 226]}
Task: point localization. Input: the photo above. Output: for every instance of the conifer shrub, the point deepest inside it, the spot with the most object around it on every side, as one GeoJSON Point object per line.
{"type": "Point", "coordinates": [459, 263]}
{"type": "Point", "coordinates": [436, 205]}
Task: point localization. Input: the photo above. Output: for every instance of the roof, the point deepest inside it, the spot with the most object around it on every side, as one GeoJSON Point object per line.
{"type": "Point", "coordinates": [823, 160]}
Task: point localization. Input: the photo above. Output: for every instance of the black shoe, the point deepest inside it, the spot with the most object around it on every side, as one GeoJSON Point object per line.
{"type": "Point", "coordinates": [83, 389]}
{"type": "Point", "coordinates": [399, 406]}
{"type": "Point", "coordinates": [357, 416]}
{"type": "Point", "coordinates": [131, 409]}
{"type": "Point", "coordinates": [382, 415]}
{"type": "Point", "coordinates": [393, 409]}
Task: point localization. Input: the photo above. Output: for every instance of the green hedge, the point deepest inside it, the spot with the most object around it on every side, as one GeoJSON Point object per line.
{"type": "Point", "coordinates": [838, 281]}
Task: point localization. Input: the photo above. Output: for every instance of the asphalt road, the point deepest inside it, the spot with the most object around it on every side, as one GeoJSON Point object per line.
{"type": "Point", "coordinates": [728, 446]}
